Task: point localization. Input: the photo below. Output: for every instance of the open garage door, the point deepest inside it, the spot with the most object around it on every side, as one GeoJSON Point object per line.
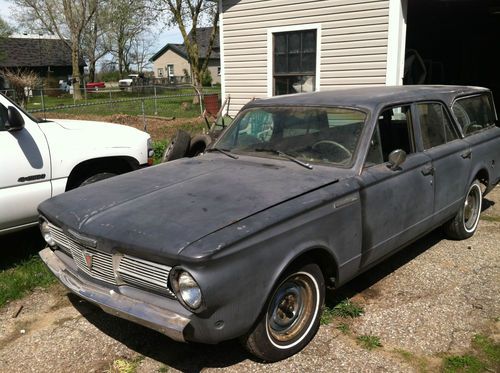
{"type": "Point", "coordinates": [453, 42]}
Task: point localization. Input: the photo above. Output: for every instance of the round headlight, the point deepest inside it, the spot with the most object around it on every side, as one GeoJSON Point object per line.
{"type": "Point", "coordinates": [47, 236]}
{"type": "Point", "coordinates": [189, 290]}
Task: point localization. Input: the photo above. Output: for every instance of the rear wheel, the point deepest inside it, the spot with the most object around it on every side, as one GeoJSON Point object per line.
{"type": "Point", "coordinates": [465, 222]}
{"type": "Point", "coordinates": [292, 315]}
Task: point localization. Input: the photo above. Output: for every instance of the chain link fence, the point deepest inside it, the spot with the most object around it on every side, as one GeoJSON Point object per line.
{"type": "Point", "coordinates": [145, 101]}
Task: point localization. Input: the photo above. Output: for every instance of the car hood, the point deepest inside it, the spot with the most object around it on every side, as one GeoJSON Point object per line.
{"type": "Point", "coordinates": [162, 209]}
{"type": "Point", "coordinates": [89, 125]}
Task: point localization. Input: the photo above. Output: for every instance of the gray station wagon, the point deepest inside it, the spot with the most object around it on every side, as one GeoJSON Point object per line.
{"type": "Point", "coordinates": [301, 192]}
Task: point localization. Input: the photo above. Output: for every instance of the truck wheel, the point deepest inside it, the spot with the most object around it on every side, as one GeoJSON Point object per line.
{"type": "Point", "coordinates": [464, 224]}
{"type": "Point", "coordinates": [178, 147]}
{"type": "Point", "coordinates": [97, 177]}
{"type": "Point", "coordinates": [292, 315]}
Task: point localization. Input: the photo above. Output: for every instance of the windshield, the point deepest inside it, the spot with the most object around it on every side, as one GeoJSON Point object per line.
{"type": "Point", "coordinates": [312, 134]}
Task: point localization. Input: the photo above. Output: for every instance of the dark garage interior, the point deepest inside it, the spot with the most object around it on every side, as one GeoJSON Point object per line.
{"type": "Point", "coordinates": [454, 42]}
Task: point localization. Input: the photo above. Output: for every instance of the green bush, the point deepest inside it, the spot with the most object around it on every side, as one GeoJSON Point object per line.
{"type": "Point", "coordinates": [206, 80]}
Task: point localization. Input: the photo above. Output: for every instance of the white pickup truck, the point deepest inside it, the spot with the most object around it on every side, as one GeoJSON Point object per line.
{"type": "Point", "coordinates": [42, 158]}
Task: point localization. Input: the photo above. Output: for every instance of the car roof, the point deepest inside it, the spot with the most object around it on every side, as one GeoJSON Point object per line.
{"type": "Point", "coordinates": [370, 97]}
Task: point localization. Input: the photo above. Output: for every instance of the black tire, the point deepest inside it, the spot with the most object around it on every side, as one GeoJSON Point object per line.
{"type": "Point", "coordinates": [178, 147]}
{"type": "Point", "coordinates": [97, 177]}
{"type": "Point", "coordinates": [291, 317]}
{"type": "Point", "coordinates": [465, 222]}
{"type": "Point", "coordinates": [198, 145]}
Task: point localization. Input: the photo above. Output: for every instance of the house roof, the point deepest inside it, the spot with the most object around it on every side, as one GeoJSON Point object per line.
{"type": "Point", "coordinates": [203, 39]}
{"type": "Point", "coordinates": [36, 52]}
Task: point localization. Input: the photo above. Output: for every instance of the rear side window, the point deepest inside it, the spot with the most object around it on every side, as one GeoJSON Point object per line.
{"type": "Point", "coordinates": [474, 113]}
{"type": "Point", "coordinates": [435, 126]}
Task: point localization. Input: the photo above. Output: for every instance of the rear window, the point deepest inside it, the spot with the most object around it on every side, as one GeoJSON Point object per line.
{"type": "Point", "coordinates": [474, 113]}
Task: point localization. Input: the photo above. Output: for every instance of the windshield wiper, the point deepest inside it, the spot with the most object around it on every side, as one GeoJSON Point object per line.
{"type": "Point", "coordinates": [285, 155]}
{"type": "Point", "coordinates": [223, 151]}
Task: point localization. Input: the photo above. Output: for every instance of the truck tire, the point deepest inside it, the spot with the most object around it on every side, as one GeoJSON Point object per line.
{"type": "Point", "coordinates": [291, 317]}
{"type": "Point", "coordinates": [198, 145]}
{"type": "Point", "coordinates": [464, 224]}
{"type": "Point", "coordinates": [178, 147]}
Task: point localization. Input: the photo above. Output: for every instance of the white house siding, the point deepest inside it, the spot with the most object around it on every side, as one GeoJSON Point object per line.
{"type": "Point", "coordinates": [353, 52]}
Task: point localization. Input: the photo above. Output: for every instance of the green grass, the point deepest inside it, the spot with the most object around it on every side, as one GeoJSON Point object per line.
{"type": "Point", "coordinates": [345, 309]}
{"type": "Point", "coordinates": [17, 281]}
{"type": "Point", "coordinates": [343, 327]}
{"type": "Point", "coordinates": [484, 357]}
{"type": "Point", "coordinates": [125, 366]}
{"type": "Point", "coordinates": [463, 363]}
{"type": "Point", "coordinates": [369, 342]}
{"type": "Point", "coordinates": [490, 218]}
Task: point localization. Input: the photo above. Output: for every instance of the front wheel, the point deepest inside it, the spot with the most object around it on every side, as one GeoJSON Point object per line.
{"type": "Point", "coordinates": [292, 315]}
{"type": "Point", "coordinates": [464, 224]}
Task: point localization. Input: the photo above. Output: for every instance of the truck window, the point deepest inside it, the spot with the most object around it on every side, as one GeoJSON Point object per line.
{"type": "Point", "coordinates": [3, 117]}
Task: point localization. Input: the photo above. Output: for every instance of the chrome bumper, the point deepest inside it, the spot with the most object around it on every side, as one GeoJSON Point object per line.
{"type": "Point", "coordinates": [167, 322]}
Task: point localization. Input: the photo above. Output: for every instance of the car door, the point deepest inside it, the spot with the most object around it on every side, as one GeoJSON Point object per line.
{"type": "Point", "coordinates": [451, 158]}
{"type": "Point", "coordinates": [397, 203]}
{"type": "Point", "coordinates": [24, 171]}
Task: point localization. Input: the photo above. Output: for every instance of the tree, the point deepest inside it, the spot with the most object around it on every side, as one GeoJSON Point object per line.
{"type": "Point", "coordinates": [131, 20]}
{"type": "Point", "coordinates": [22, 81]}
{"type": "Point", "coordinates": [5, 29]}
{"type": "Point", "coordinates": [194, 13]}
{"type": "Point", "coordinates": [95, 45]}
{"type": "Point", "coordinates": [65, 18]}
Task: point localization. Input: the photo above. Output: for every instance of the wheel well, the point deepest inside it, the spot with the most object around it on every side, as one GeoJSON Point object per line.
{"type": "Point", "coordinates": [483, 177]}
{"type": "Point", "coordinates": [323, 259]}
{"type": "Point", "coordinates": [84, 170]}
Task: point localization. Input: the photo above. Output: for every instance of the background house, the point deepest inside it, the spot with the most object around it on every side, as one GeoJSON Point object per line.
{"type": "Point", "coordinates": [276, 47]}
{"type": "Point", "coordinates": [171, 61]}
{"type": "Point", "coordinates": [48, 57]}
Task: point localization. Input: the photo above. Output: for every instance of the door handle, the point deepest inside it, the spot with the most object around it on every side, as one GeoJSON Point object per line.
{"type": "Point", "coordinates": [427, 170]}
{"type": "Point", "coordinates": [466, 154]}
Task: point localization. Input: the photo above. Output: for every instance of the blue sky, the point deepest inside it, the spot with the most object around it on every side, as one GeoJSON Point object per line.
{"type": "Point", "coordinates": [167, 36]}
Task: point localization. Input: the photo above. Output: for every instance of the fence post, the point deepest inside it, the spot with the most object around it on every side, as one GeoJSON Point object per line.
{"type": "Point", "coordinates": [110, 104]}
{"type": "Point", "coordinates": [143, 115]}
{"type": "Point", "coordinates": [156, 104]}
{"type": "Point", "coordinates": [43, 103]}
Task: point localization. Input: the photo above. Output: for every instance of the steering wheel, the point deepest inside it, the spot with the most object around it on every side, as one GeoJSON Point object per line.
{"type": "Point", "coordinates": [333, 143]}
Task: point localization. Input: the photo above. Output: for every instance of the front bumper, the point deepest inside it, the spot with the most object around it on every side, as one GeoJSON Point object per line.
{"type": "Point", "coordinates": [165, 321]}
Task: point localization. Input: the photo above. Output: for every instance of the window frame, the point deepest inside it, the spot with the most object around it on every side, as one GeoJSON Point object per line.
{"type": "Point", "coordinates": [412, 136]}
{"type": "Point", "coordinates": [454, 124]}
{"type": "Point", "coordinates": [270, 53]}
{"type": "Point", "coordinates": [170, 66]}
{"type": "Point", "coordinates": [492, 102]}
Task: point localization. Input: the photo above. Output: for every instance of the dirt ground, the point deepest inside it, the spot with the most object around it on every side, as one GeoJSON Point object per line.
{"type": "Point", "coordinates": [424, 303]}
{"type": "Point", "coordinates": [158, 127]}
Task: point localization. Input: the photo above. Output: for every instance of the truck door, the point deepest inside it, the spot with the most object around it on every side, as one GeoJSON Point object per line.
{"type": "Point", "coordinates": [25, 171]}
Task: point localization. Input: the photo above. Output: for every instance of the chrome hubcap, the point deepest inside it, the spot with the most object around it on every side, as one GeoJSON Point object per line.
{"type": "Point", "coordinates": [471, 208]}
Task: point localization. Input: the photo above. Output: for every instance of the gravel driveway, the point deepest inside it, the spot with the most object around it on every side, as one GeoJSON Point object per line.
{"type": "Point", "coordinates": [424, 303]}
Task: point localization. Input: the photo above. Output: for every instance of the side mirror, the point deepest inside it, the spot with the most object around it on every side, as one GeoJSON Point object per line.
{"type": "Point", "coordinates": [15, 120]}
{"type": "Point", "coordinates": [396, 159]}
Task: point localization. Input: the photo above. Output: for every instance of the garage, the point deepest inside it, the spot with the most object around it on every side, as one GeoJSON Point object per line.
{"type": "Point", "coordinates": [453, 42]}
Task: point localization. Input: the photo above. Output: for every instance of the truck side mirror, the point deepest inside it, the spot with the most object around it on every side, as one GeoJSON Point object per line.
{"type": "Point", "coordinates": [15, 120]}
{"type": "Point", "coordinates": [396, 159]}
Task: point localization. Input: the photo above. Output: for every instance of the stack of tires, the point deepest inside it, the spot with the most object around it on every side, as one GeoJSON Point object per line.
{"type": "Point", "coordinates": [182, 145]}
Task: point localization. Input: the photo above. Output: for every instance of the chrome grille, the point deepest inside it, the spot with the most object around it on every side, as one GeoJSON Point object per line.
{"type": "Point", "coordinates": [60, 238]}
{"type": "Point", "coordinates": [144, 273]}
{"type": "Point", "coordinates": [102, 263]}
{"type": "Point", "coordinates": [130, 270]}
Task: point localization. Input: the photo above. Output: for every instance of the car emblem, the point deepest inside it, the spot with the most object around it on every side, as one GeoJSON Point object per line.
{"type": "Point", "coordinates": [89, 259]}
